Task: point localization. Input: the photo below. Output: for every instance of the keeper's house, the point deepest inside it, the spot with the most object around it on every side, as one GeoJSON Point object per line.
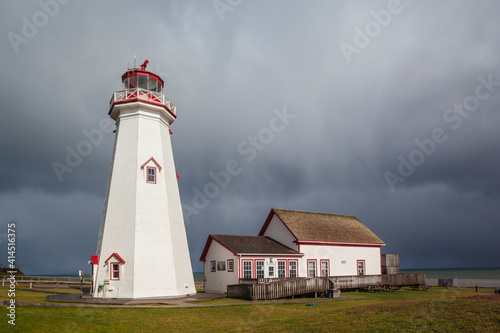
{"type": "Point", "coordinates": [292, 244]}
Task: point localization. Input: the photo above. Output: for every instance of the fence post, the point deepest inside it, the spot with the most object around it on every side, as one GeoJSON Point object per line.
{"type": "Point", "coordinates": [31, 283]}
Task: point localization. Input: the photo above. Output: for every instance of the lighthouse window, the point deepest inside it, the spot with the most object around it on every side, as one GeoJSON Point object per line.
{"type": "Point", "coordinates": [152, 175]}
{"type": "Point", "coordinates": [152, 84]}
{"type": "Point", "coordinates": [130, 82]}
{"type": "Point", "coordinates": [143, 82]}
{"type": "Point", "coordinates": [115, 271]}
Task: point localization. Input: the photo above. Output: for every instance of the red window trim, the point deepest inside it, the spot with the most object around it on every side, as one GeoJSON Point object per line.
{"type": "Point", "coordinates": [278, 268]}
{"type": "Point", "coordinates": [252, 268]}
{"type": "Point", "coordinates": [232, 261]}
{"type": "Point", "coordinates": [321, 268]}
{"type": "Point", "coordinates": [147, 174]}
{"type": "Point", "coordinates": [315, 267]}
{"type": "Point", "coordinates": [296, 267]}
{"type": "Point", "coordinates": [213, 266]}
{"type": "Point", "coordinates": [117, 256]}
{"type": "Point", "coordinates": [111, 270]}
{"type": "Point", "coordinates": [263, 267]}
{"type": "Point", "coordinates": [151, 159]}
{"type": "Point", "coordinates": [364, 267]}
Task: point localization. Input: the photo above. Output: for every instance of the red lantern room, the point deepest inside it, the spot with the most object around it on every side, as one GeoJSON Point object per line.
{"type": "Point", "coordinates": [143, 79]}
{"type": "Point", "coordinates": [140, 85]}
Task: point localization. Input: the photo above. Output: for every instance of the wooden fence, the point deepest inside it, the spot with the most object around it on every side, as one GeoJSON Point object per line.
{"type": "Point", "coordinates": [285, 287]}
{"type": "Point", "coordinates": [402, 280]}
{"type": "Point", "coordinates": [355, 281]}
{"type": "Point", "coordinates": [279, 289]}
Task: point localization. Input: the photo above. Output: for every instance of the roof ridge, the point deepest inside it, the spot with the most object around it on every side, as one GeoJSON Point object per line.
{"type": "Point", "coordinates": [317, 213]}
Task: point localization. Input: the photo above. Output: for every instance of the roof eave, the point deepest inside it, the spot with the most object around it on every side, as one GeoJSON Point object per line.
{"type": "Point", "coordinates": [320, 242]}
{"type": "Point", "coordinates": [272, 254]}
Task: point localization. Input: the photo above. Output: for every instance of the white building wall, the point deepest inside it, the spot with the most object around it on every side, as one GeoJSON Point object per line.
{"type": "Point", "coordinates": [218, 281]}
{"type": "Point", "coordinates": [342, 259]}
{"type": "Point", "coordinates": [279, 232]}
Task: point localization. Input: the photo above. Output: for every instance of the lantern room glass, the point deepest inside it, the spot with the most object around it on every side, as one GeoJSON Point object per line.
{"type": "Point", "coordinates": [142, 81]}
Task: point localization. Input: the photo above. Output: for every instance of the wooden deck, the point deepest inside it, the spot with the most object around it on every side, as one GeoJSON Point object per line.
{"type": "Point", "coordinates": [259, 289]}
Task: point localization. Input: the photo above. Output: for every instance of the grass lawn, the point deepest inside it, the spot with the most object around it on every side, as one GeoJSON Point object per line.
{"type": "Point", "coordinates": [437, 310]}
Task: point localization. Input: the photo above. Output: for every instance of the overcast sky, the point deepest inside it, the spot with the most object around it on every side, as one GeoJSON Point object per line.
{"type": "Point", "coordinates": [385, 110]}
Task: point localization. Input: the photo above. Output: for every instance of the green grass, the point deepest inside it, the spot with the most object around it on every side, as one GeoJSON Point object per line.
{"type": "Point", "coordinates": [437, 310]}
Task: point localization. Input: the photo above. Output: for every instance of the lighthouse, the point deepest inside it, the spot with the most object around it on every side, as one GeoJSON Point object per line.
{"type": "Point", "coordinates": [142, 249]}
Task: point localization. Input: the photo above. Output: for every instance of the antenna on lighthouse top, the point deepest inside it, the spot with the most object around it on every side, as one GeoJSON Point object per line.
{"type": "Point", "coordinates": [135, 58]}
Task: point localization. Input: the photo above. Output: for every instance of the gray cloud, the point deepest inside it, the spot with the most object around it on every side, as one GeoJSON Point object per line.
{"type": "Point", "coordinates": [353, 120]}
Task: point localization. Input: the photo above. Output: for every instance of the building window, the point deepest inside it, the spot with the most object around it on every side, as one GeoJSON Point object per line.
{"type": "Point", "coordinates": [212, 266]}
{"type": "Point", "coordinates": [260, 269]}
{"type": "Point", "coordinates": [152, 175]}
{"type": "Point", "coordinates": [230, 265]}
{"type": "Point", "coordinates": [115, 271]}
{"type": "Point", "coordinates": [221, 265]}
{"type": "Point", "coordinates": [361, 267]}
{"type": "Point", "coordinates": [247, 269]}
{"type": "Point", "coordinates": [281, 268]}
{"type": "Point", "coordinates": [292, 269]}
{"type": "Point", "coordinates": [271, 271]}
{"type": "Point", "coordinates": [311, 268]}
{"type": "Point", "coordinates": [325, 270]}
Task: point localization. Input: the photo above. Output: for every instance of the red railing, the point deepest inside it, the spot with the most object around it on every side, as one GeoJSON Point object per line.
{"type": "Point", "coordinates": [142, 94]}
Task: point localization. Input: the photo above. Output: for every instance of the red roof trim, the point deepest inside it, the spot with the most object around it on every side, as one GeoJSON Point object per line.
{"type": "Point", "coordinates": [207, 247]}
{"type": "Point", "coordinates": [117, 256]}
{"type": "Point", "coordinates": [267, 255]}
{"type": "Point", "coordinates": [141, 101]}
{"type": "Point", "coordinates": [151, 159]}
{"type": "Point", "coordinates": [329, 243]}
{"type": "Point", "coordinates": [268, 221]}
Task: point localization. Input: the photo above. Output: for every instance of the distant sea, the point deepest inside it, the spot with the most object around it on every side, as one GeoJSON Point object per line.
{"type": "Point", "coordinates": [431, 273]}
{"type": "Point", "coordinates": [457, 273]}
{"type": "Point", "coordinates": [198, 277]}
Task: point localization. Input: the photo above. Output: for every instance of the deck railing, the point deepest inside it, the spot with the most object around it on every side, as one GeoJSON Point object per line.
{"type": "Point", "coordinates": [272, 288]}
{"type": "Point", "coordinates": [278, 289]}
{"type": "Point", "coordinates": [142, 94]}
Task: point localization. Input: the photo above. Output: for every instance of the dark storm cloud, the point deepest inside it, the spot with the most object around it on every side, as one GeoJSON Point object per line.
{"type": "Point", "coordinates": [352, 119]}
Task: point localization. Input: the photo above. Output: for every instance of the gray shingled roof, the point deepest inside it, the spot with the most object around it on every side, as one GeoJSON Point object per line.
{"type": "Point", "coordinates": [253, 244]}
{"type": "Point", "coordinates": [326, 227]}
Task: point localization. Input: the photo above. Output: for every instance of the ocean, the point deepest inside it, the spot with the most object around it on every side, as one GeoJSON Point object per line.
{"type": "Point", "coordinates": [457, 273]}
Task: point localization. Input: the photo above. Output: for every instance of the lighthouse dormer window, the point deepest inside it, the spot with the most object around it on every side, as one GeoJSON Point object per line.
{"type": "Point", "coordinates": [152, 175]}
{"type": "Point", "coordinates": [115, 271]}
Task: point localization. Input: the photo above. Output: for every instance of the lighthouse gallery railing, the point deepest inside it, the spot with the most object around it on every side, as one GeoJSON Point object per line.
{"type": "Point", "coordinates": [144, 94]}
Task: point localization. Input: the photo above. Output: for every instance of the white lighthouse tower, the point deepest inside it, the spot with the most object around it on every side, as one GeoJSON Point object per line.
{"type": "Point", "coordinates": [142, 249]}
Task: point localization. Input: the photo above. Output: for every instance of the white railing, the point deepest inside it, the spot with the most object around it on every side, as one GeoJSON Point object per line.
{"type": "Point", "coordinates": [142, 94]}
